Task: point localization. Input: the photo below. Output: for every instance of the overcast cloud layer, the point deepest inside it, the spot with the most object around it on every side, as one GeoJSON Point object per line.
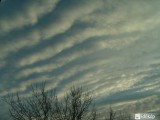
{"type": "Point", "coordinates": [111, 47]}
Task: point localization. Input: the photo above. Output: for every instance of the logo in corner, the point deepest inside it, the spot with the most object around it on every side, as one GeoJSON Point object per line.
{"type": "Point", "coordinates": [137, 116]}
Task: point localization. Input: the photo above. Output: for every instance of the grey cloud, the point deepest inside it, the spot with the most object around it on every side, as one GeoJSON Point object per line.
{"type": "Point", "coordinates": [26, 15]}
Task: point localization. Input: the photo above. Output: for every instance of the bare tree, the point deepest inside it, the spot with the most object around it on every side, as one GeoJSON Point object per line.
{"type": "Point", "coordinates": [76, 106]}
{"type": "Point", "coordinates": [117, 115]}
{"type": "Point", "coordinates": [111, 114]}
{"type": "Point", "coordinates": [45, 105]}
{"type": "Point", "coordinates": [123, 115]}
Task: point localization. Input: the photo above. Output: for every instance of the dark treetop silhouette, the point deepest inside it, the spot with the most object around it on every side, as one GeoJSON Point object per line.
{"type": "Point", "coordinates": [45, 105]}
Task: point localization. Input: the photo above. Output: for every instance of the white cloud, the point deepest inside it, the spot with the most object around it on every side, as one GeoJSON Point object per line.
{"type": "Point", "coordinates": [118, 22]}
{"type": "Point", "coordinates": [36, 35]}
{"type": "Point", "coordinates": [29, 15]}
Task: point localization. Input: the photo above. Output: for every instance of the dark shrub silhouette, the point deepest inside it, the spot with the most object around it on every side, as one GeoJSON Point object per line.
{"type": "Point", "coordinates": [45, 105]}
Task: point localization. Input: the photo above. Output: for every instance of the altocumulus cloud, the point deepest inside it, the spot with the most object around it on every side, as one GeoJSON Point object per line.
{"type": "Point", "coordinates": [110, 47]}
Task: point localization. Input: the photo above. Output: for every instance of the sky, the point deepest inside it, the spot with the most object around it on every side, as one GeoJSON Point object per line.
{"type": "Point", "coordinates": [111, 47]}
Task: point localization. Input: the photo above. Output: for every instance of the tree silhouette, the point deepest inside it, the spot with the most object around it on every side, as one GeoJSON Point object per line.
{"type": "Point", "coordinates": [111, 114]}
{"type": "Point", "coordinates": [45, 105]}
{"type": "Point", "coordinates": [117, 115]}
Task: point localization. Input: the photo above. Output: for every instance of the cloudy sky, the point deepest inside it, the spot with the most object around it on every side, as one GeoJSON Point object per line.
{"type": "Point", "coordinates": [111, 47]}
